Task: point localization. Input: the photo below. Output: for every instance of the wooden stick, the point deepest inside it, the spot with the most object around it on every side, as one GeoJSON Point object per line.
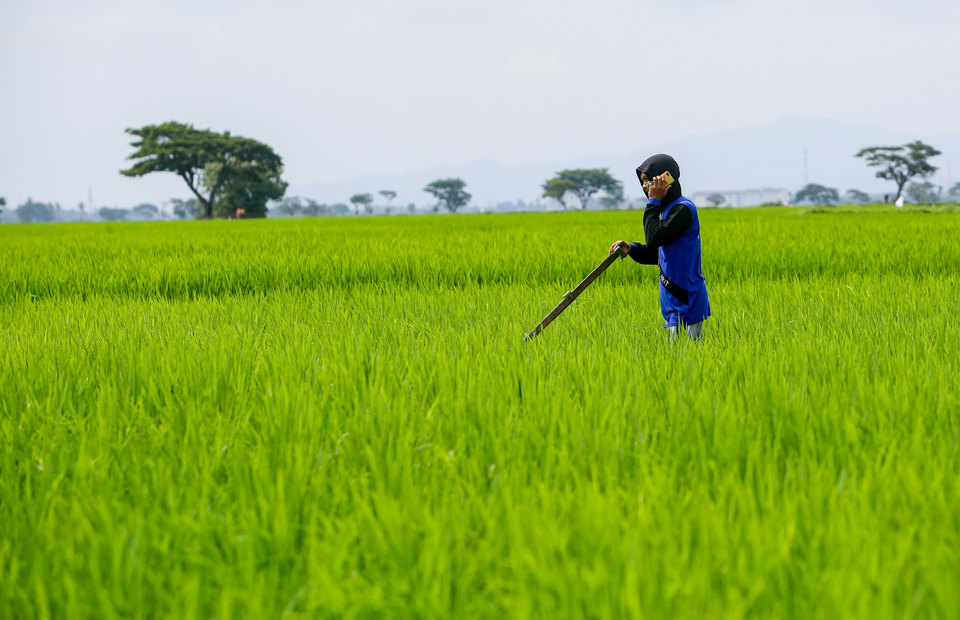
{"type": "Point", "coordinates": [571, 295]}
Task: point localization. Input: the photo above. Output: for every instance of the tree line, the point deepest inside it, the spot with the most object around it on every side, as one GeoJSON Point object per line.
{"type": "Point", "coordinates": [231, 175]}
{"type": "Point", "coordinates": [234, 176]}
{"type": "Point", "coordinates": [899, 164]}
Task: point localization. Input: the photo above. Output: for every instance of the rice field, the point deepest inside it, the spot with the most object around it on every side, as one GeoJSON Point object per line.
{"type": "Point", "coordinates": [338, 418]}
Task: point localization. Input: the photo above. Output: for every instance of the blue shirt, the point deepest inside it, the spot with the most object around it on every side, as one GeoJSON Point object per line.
{"type": "Point", "coordinates": [679, 257]}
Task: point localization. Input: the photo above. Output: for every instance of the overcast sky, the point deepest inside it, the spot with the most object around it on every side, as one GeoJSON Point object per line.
{"type": "Point", "coordinates": [342, 88]}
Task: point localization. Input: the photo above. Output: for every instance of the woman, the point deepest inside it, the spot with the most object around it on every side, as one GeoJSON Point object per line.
{"type": "Point", "coordinates": [672, 230]}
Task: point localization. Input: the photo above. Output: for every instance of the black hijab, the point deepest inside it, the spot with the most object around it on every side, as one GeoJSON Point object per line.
{"type": "Point", "coordinates": [657, 165]}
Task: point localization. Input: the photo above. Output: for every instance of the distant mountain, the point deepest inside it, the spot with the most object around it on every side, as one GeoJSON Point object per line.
{"type": "Point", "coordinates": [784, 154]}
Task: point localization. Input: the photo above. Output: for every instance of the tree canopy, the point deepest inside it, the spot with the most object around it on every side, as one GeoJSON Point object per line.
{"type": "Point", "coordinates": [146, 210]}
{"type": "Point", "coordinates": [388, 194]}
{"type": "Point", "coordinates": [359, 200]}
{"type": "Point", "coordinates": [901, 163]}
{"type": "Point", "coordinates": [611, 201]}
{"type": "Point", "coordinates": [293, 206]}
{"type": "Point", "coordinates": [232, 171]}
{"type": "Point", "coordinates": [289, 206]}
{"type": "Point", "coordinates": [31, 212]}
{"type": "Point", "coordinates": [450, 193]}
{"type": "Point", "coordinates": [3, 203]}
{"type": "Point", "coordinates": [857, 196]}
{"type": "Point", "coordinates": [582, 183]}
{"type": "Point", "coordinates": [314, 208]}
{"type": "Point", "coordinates": [925, 192]}
{"type": "Point", "coordinates": [818, 194]}
{"type": "Point", "coordinates": [558, 190]}
{"type": "Point", "coordinates": [113, 214]}
{"type": "Point", "coordinates": [185, 208]}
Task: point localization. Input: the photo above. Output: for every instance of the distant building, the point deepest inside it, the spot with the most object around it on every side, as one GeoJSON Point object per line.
{"type": "Point", "coordinates": [743, 197]}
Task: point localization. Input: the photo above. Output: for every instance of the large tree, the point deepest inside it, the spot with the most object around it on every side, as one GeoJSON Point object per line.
{"type": "Point", "coordinates": [611, 201]}
{"type": "Point", "coordinates": [558, 190]}
{"type": "Point", "coordinates": [289, 206]}
{"type": "Point", "coordinates": [924, 193]}
{"type": "Point", "coordinates": [388, 195]}
{"type": "Point", "coordinates": [145, 211]}
{"type": "Point", "coordinates": [450, 193]}
{"type": "Point", "coordinates": [818, 194]}
{"type": "Point", "coordinates": [585, 183]}
{"type": "Point", "coordinates": [3, 202]}
{"type": "Point", "coordinates": [185, 208]}
{"type": "Point", "coordinates": [293, 206]}
{"type": "Point", "coordinates": [954, 192]}
{"type": "Point", "coordinates": [31, 211]}
{"type": "Point", "coordinates": [246, 185]}
{"type": "Point", "coordinates": [314, 208]}
{"type": "Point", "coordinates": [113, 214]}
{"type": "Point", "coordinates": [857, 196]}
{"type": "Point", "coordinates": [359, 200]}
{"type": "Point", "coordinates": [240, 172]}
{"type": "Point", "coordinates": [901, 163]}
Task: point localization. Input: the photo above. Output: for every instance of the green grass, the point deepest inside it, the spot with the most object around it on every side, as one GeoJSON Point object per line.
{"type": "Point", "coordinates": [337, 417]}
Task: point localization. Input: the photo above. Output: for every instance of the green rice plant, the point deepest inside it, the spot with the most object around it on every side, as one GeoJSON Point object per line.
{"type": "Point", "coordinates": [338, 417]}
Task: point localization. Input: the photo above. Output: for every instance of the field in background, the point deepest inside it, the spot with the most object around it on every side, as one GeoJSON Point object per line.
{"type": "Point", "coordinates": [338, 417]}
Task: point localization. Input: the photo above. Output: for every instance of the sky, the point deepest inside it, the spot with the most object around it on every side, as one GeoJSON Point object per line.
{"type": "Point", "coordinates": [345, 88]}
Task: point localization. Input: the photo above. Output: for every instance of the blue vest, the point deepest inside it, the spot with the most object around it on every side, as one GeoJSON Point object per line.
{"type": "Point", "coordinates": [680, 263]}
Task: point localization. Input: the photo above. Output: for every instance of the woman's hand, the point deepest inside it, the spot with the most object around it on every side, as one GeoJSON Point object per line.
{"type": "Point", "coordinates": [657, 188]}
{"type": "Point", "coordinates": [620, 244]}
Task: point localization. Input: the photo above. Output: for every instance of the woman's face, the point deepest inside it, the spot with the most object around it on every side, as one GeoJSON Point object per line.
{"type": "Point", "coordinates": [644, 182]}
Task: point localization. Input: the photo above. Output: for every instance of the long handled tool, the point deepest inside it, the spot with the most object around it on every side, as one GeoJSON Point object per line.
{"type": "Point", "coordinates": [571, 295]}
